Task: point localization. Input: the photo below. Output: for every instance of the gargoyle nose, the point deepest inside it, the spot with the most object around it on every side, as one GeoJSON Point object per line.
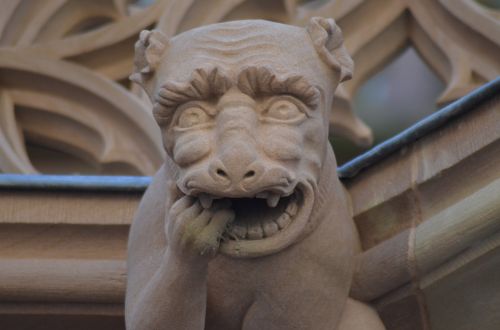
{"type": "Point", "coordinates": [236, 164]}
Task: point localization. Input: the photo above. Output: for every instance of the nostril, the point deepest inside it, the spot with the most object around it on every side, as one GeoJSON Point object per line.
{"type": "Point", "coordinates": [221, 172]}
{"type": "Point", "coordinates": [249, 174]}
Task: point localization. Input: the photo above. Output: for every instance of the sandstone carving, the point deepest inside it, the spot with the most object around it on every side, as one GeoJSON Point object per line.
{"type": "Point", "coordinates": [246, 225]}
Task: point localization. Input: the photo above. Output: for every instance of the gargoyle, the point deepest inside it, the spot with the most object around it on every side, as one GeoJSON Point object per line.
{"type": "Point", "coordinates": [246, 226]}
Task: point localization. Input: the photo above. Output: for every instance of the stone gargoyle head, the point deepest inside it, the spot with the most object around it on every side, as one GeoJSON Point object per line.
{"type": "Point", "coordinates": [244, 112]}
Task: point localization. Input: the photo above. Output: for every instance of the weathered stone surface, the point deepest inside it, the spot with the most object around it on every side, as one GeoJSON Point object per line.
{"type": "Point", "coordinates": [246, 226]}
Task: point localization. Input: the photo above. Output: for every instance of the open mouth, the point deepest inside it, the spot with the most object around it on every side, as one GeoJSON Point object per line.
{"type": "Point", "coordinates": [261, 217]}
{"type": "Point", "coordinates": [265, 223]}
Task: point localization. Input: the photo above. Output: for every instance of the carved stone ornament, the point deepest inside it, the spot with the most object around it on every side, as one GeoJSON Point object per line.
{"type": "Point", "coordinates": [246, 225]}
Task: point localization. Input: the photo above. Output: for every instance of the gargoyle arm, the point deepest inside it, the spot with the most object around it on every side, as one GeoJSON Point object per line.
{"type": "Point", "coordinates": [162, 293]}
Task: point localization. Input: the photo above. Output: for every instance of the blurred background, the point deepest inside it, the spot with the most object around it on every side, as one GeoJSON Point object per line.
{"type": "Point", "coordinates": [67, 107]}
{"type": "Point", "coordinates": [394, 98]}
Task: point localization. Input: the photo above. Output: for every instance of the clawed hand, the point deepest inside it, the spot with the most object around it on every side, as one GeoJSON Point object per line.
{"type": "Point", "coordinates": [194, 232]}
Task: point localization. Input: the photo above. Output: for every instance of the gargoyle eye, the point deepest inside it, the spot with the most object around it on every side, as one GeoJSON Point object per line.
{"type": "Point", "coordinates": [192, 116]}
{"type": "Point", "coordinates": [284, 111]}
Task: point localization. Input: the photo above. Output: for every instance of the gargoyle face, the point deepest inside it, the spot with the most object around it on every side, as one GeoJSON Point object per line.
{"type": "Point", "coordinates": [261, 150]}
{"type": "Point", "coordinates": [243, 110]}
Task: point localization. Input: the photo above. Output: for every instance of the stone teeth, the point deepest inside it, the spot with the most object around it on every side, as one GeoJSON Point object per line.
{"type": "Point", "coordinates": [239, 231]}
{"type": "Point", "coordinates": [292, 208]}
{"type": "Point", "coordinates": [283, 221]}
{"type": "Point", "coordinates": [255, 232]}
{"type": "Point", "coordinates": [273, 200]}
{"type": "Point", "coordinates": [270, 228]}
{"type": "Point", "coordinates": [205, 200]}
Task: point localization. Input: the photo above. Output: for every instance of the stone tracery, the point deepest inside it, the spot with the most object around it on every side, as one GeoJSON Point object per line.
{"type": "Point", "coordinates": [99, 36]}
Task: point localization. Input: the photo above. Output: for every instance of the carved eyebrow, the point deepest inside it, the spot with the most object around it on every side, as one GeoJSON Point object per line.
{"type": "Point", "coordinates": [204, 84]}
{"type": "Point", "coordinates": [254, 81]}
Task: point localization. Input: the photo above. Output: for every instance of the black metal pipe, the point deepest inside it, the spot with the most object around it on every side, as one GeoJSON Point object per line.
{"type": "Point", "coordinates": [425, 126]}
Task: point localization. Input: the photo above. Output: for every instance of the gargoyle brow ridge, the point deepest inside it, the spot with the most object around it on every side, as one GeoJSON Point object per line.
{"type": "Point", "coordinates": [204, 84]}
{"type": "Point", "coordinates": [262, 80]}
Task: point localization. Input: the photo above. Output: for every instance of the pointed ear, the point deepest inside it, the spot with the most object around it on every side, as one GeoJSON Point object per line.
{"type": "Point", "coordinates": [149, 50]}
{"type": "Point", "coordinates": [329, 43]}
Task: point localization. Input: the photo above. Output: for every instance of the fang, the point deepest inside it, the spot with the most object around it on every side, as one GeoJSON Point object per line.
{"type": "Point", "coordinates": [273, 200]}
{"type": "Point", "coordinates": [206, 201]}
